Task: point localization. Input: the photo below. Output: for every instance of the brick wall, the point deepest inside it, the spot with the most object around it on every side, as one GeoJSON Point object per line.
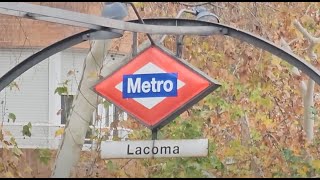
{"type": "Point", "coordinates": [21, 32]}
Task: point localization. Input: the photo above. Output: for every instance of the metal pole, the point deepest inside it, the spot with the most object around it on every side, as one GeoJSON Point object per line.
{"type": "Point", "coordinates": [141, 20]}
{"type": "Point", "coordinates": [154, 133]}
{"type": "Point", "coordinates": [134, 44]}
{"type": "Point", "coordinates": [178, 16]}
{"type": "Point", "coordinates": [154, 138]}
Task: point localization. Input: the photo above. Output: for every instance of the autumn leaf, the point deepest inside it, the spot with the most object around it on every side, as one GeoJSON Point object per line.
{"type": "Point", "coordinates": [16, 151]}
{"type": "Point", "coordinates": [316, 164]}
{"type": "Point", "coordinates": [2, 167]}
{"type": "Point", "coordinates": [59, 132]}
{"type": "Point", "coordinates": [27, 170]}
{"type": "Point", "coordinates": [8, 175]}
{"type": "Point", "coordinates": [276, 61]}
{"type": "Point", "coordinates": [71, 72]}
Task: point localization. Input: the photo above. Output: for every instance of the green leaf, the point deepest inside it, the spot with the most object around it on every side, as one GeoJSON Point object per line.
{"type": "Point", "coordinates": [61, 90]}
{"type": "Point", "coordinates": [106, 104]}
{"type": "Point", "coordinates": [29, 125]}
{"type": "Point", "coordinates": [216, 163]}
{"type": "Point", "coordinates": [111, 166]}
{"type": "Point", "coordinates": [12, 117]}
{"type": "Point", "coordinates": [44, 156]}
{"type": "Point", "coordinates": [26, 130]}
{"type": "Point", "coordinates": [16, 151]}
{"type": "Point", "coordinates": [13, 141]}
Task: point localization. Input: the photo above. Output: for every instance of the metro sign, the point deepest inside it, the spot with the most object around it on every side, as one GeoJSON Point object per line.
{"type": "Point", "coordinates": [155, 87]}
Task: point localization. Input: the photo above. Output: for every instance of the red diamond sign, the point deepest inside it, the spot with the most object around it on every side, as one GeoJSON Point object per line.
{"type": "Point", "coordinates": [155, 87]}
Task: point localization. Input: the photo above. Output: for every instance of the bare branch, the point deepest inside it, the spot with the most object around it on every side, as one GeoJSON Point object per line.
{"type": "Point", "coordinates": [308, 90]}
{"type": "Point", "coordinates": [313, 40]}
{"type": "Point", "coordinates": [293, 41]}
{"type": "Point", "coordinates": [303, 88]}
{"type": "Point", "coordinates": [285, 45]}
{"type": "Point", "coordinates": [193, 5]}
{"type": "Point", "coordinates": [199, 4]}
{"type": "Point", "coordinates": [308, 9]}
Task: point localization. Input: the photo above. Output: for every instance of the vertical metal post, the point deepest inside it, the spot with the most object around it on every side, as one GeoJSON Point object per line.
{"type": "Point", "coordinates": [179, 45]}
{"type": "Point", "coordinates": [134, 44]}
{"type": "Point", "coordinates": [154, 134]}
{"type": "Point", "coordinates": [154, 138]}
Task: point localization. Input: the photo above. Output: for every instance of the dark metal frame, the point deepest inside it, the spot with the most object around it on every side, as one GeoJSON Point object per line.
{"type": "Point", "coordinates": [164, 121]}
{"type": "Point", "coordinates": [291, 58]}
{"type": "Point", "coordinates": [36, 58]}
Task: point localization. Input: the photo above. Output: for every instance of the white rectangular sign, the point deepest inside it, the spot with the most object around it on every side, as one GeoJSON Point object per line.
{"type": "Point", "coordinates": [157, 148]}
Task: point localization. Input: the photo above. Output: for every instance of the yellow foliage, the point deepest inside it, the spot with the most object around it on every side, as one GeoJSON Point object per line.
{"type": "Point", "coordinates": [303, 171]}
{"type": "Point", "coordinates": [316, 164]}
{"type": "Point", "coordinates": [93, 75]}
{"type": "Point", "coordinates": [9, 175]}
{"type": "Point", "coordinates": [59, 132]}
{"type": "Point", "coordinates": [306, 19]}
{"type": "Point", "coordinates": [276, 61]}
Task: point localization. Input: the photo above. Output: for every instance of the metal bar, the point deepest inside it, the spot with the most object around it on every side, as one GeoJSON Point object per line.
{"type": "Point", "coordinates": [154, 134]}
{"type": "Point", "coordinates": [94, 22]}
{"type": "Point", "coordinates": [40, 17]}
{"type": "Point", "coordinates": [134, 44]}
{"type": "Point", "coordinates": [250, 38]}
{"type": "Point", "coordinates": [178, 16]}
{"type": "Point", "coordinates": [179, 46]}
{"type": "Point", "coordinates": [291, 58]}
{"type": "Point", "coordinates": [36, 58]}
{"type": "Point", "coordinates": [142, 22]}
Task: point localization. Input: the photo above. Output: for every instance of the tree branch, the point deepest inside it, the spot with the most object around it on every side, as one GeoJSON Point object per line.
{"type": "Point", "coordinates": [308, 90]}
{"type": "Point", "coordinates": [199, 4]}
{"type": "Point", "coordinates": [312, 40]}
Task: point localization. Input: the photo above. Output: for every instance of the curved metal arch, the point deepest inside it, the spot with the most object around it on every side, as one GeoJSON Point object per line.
{"type": "Point", "coordinates": [250, 38]}
{"type": "Point", "coordinates": [206, 29]}
{"type": "Point", "coordinates": [45, 53]}
{"type": "Point", "coordinates": [36, 58]}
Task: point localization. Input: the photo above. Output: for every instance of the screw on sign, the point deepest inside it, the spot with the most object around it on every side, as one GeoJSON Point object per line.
{"type": "Point", "coordinates": [155, 87]}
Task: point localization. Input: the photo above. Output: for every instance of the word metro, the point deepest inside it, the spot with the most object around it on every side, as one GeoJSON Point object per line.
{"type": "Point", "coordinates": [149, 85]}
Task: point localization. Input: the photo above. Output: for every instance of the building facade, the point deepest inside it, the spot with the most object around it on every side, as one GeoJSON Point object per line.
{"type": "Point", "coordinates": [31, 97]}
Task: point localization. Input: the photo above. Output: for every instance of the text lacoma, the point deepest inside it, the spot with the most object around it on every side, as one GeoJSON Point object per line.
{"type": "Point", "coordinates": [153, 150]}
